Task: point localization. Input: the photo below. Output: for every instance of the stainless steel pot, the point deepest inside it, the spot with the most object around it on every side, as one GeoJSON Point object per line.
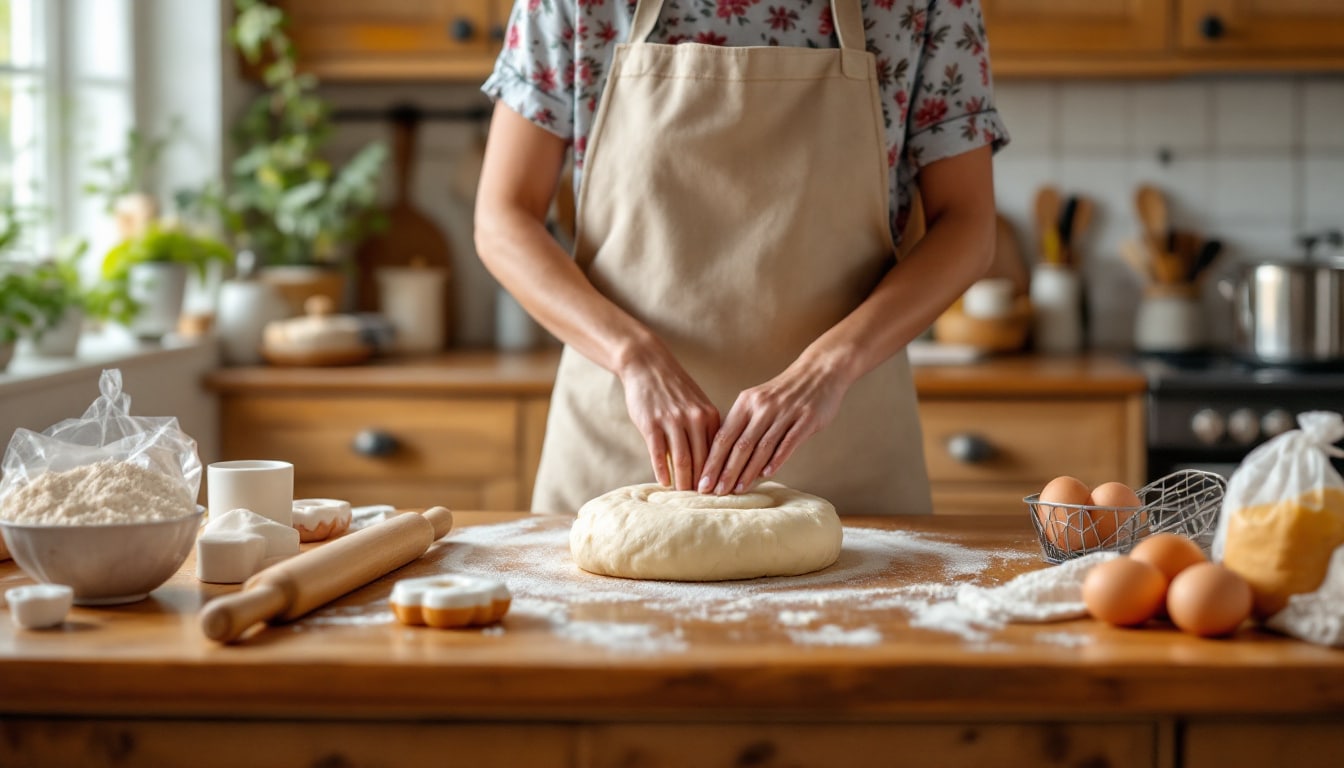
{"type": "Point", "coordinates": [1289, 313]}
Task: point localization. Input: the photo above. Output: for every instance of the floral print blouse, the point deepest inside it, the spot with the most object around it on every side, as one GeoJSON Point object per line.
{"type": "Point", "coordinates": [932, 66]}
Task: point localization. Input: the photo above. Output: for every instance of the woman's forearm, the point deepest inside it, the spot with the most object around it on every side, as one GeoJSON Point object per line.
{"type": "Point", "coordinates": [518, 179]}
{"type": "Point", "coordinates": [521, 254]}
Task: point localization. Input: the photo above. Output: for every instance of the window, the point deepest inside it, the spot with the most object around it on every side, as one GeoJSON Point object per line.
{"type": "Point", "coordinates": [66, 98]}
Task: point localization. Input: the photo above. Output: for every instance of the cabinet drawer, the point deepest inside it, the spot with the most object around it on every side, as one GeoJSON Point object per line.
{"type": "Point", "coordinates": [426, 438]}
{"type": "Point", "coordinates": [1028, 442]}
{"type": "Point", "coordinates": [42, 742]}
{"type": "Point", "coordinates": [388, 29]}
{"type": "Point", "coordinates": [1309, 744]}
{"type": "Point", "coordinates": [862, 746]}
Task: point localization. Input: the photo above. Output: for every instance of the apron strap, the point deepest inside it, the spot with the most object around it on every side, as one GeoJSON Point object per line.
{"type": "Point", "coordinates": [847, 15]}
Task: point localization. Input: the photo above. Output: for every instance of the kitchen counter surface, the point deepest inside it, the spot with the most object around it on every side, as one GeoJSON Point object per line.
{"type": "Point", "coordinates": [722, 649]}
{"type": "Point", "coordinates": [527, 373]}
{"type": "Point", "coordinates": [847, 667]}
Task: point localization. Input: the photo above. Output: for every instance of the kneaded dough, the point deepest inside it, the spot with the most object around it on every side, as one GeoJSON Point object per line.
{"type": "Point", "coordinates": [649, 532]}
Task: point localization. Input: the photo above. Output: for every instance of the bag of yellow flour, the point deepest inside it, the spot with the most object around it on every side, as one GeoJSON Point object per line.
{"type": "Point", "coordinates": [1283, 512]}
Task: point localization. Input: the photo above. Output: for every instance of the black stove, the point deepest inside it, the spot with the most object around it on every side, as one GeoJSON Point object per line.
{"type": "Point", "coordinates": [1209, 410]}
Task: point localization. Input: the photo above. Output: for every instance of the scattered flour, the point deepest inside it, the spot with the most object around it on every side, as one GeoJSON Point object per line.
{"type": "Point", "coordinates": [104, 493]}
{"type": "Point", "coordinates": [798, 618]}
{"type": "Point", "coordinates": [1066, 639]}
{"type": "Point", "coordinates": [830, 634]}
{"type": "Point", "coordinates": [641, 617]}
{"type": "Point", "coordinates": [655, 617]}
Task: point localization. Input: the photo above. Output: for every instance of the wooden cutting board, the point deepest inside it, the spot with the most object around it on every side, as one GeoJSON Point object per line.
{"type": "Point", "coordinates": [410, 237]}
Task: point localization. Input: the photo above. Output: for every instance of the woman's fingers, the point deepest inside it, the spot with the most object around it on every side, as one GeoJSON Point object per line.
{"type": "Point", "coordinates": [657, 444]}
{"type": "Point", "coordinates": [720, 448]}
{"type": "Point", "coordinates": [763, 453]}
{"type": "Point", "coordinates": [681, 457]}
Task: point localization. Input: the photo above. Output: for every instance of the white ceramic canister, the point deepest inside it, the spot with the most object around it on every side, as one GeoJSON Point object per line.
{"type": "Point", "coordinates": [1057, 309]}
{"type": "Point", "coordinates": [413, 299]}
{"type": "Point", "coordinates": [245, 307]}
{"type": "Point", "coordinates": [158, 287]}
{"type": "Point", "coordinates": [1168, 322]}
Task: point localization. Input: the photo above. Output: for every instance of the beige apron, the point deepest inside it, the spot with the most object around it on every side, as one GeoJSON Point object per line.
{"type": "Point", "coordinates": [735, 201]}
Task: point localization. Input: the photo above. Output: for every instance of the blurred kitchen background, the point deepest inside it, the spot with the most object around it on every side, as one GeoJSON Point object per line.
{"type": "Point", "coordinates": [1231, 111]}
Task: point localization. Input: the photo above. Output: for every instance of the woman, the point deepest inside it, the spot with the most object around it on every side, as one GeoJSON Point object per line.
{"type": "Point", "coordinates": [734, 309]}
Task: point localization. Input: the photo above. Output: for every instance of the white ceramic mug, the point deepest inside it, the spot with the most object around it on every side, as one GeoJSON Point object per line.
{"type": "Point", "coordinates": [263, 486]}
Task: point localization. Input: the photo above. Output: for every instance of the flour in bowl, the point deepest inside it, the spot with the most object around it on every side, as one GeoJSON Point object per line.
{"type": "Point", "coordinates": [104, 493]}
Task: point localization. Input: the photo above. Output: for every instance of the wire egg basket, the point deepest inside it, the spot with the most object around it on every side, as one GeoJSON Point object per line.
{"type": "Point", "coordinates": [1185, 502]}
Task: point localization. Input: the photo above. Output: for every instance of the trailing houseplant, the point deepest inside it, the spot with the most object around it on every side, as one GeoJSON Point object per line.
{"type": "Point", "coordinates": [144, 277]}
{"type": "Point", "coordinates": [284, 200]}
{"type": "Point", "coordinates": [19, 312]}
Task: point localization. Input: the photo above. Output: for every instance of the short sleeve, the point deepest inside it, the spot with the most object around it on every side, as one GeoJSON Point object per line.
{"type": "Point", "coordinates": [952, 110]}
{"type": "Point", "coordinates": [534, 74]}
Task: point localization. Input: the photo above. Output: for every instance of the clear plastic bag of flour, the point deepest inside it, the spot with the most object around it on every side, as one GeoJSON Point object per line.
{"type": "Point", "coordinates": [1283, 512]}
{"type": "Point", "coordinates": [106, 431]}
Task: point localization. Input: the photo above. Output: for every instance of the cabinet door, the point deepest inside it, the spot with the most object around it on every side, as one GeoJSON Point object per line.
{"type": "Point", "coordinates": [1297, 27]}
{"type": "Point", "coordinates": [1029, 28]}
{"type": "Point", "coordinates": [358, 39]}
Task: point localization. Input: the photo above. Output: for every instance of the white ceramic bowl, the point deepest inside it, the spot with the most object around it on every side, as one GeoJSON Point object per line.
{"type": "Point", "coordinates": [104, 564]}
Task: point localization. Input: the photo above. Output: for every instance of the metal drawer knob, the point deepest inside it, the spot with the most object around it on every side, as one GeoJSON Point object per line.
{"type": "Point", "coordinates": [374, 443]}
{"type": "Point", "coordinates": [462, 30]}
{"type": "Point", "coordinates": [970, 448]}
{"type": "Point", "coordinates": [1211, 27]}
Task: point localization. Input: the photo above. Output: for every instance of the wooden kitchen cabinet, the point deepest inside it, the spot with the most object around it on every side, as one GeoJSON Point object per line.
{"type": "Point", "coordinates": [465, 429]}
{"type": "Point", "coordinates": [1066, 38]}
{"type": "Point", "coordinates": [1024, 28]}
{"type": "Point", "coordinates": [461, 430]}
{"type": "Point", "coordinates": [996, 432]}
{"type": "Point", "coordinates": [1272, 27]}
{"type": "Point", "coordinates": [397, 39]}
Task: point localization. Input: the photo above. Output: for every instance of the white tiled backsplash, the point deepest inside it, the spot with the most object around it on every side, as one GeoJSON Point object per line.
{"type": "Point", "coordinates": [1253, 161]}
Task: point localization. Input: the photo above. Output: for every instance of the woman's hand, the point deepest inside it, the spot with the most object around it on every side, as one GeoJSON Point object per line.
{"type": "Point", "coordinates": [675, 416]}
{"type": "Point", "coordinates": [768, 423]}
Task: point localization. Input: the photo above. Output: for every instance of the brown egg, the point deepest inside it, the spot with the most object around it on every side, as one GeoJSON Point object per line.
{"type": "Point", "coordinates": [1170, 553]}
{"type": "Point", "coordinates": [1208, 600]}
{"type": "Point", "coordinates": [1123, 592]}
{"type": "Point", "coordinates": [1064, 526]}
{"type": "Point", "coordinates": [1105, 522]}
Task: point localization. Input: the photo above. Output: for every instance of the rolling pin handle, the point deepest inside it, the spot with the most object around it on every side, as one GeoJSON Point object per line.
{"type": "Point", "coordinates": [442, 520]}
{"type": "Point", "coordinates": [225, 619]}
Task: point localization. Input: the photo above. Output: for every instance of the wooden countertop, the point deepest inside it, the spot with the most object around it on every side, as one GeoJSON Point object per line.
{"type": "Point", "coordinates": [481, 373]}
{"type": "Point", "coordinates": [743, 657]}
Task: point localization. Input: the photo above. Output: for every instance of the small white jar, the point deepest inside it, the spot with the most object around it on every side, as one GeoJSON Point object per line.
{"type": "Point", "coordinates": [1057, 309]}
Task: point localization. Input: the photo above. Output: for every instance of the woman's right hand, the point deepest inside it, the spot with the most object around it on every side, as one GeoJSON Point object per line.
{"type": "Point", "coordinates": [676, 417]}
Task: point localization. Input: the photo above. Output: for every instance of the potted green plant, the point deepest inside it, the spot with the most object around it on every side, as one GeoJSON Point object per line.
{"type": "Point", "coordinates": [145, 277]}
{"type": "Point", "coordinates": [18, 312]}
{"type": "Point", "coordinates": [57, 292]}
{"type": "Point", "coordinates": [284, 200]}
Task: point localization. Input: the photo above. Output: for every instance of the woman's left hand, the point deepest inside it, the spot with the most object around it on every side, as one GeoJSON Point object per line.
{"type": "Point", "coordinates": [768, 422]}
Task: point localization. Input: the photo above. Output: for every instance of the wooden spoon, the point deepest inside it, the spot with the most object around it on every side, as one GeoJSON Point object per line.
{"type": "Point", "coordinates": [1152, 208]}
{"type": "Point", "coordinates": [1048, 204]}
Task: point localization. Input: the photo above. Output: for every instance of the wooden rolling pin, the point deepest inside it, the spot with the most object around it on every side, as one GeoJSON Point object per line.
{"type": "Point", "coordinates": [289, 589]}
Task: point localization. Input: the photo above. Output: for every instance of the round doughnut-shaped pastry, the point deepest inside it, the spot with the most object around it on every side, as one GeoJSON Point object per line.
{"type": "Point", "coordinates": [450, 601]}
{"type": "Point", "coordinates": [649, 532]}
{"type": "Point", "coordinates": [318, 519]}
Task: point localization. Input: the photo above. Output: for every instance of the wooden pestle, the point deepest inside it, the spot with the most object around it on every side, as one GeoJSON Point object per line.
{"type": "Point", "coordinates": [293, 587]}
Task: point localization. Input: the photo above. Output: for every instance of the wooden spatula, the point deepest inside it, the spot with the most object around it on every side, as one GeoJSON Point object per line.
{"type": "Point", "coordinates": [1048, 208]}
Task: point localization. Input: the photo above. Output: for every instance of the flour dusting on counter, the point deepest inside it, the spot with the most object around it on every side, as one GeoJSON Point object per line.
{"type": "Point", "coordinates": [532, 556]}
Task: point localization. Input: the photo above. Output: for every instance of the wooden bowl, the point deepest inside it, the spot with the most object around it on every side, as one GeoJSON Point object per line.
{"type": "Point", "coordinates": [1004, 334]}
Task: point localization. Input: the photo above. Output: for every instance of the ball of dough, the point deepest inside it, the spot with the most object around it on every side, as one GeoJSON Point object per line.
{"type": "Point", "coordinates": [649, 532]}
